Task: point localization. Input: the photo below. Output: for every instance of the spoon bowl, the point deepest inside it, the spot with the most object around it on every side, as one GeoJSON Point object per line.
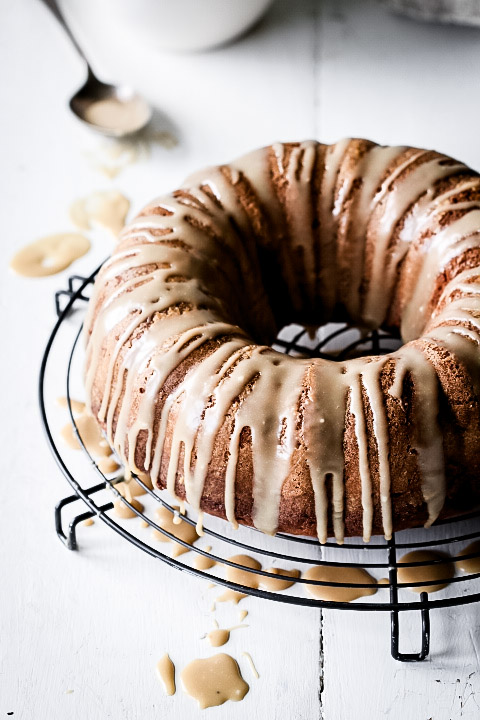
{"type": "Point", "coordinates": [112, 110]}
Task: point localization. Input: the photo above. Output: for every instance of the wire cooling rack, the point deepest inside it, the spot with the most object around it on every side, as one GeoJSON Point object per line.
{"type": "Point", "coordinates": [61, 374]}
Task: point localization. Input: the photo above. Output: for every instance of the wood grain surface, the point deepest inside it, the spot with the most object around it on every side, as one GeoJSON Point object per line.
{"type": "Point", "coordinates": [81, 632]}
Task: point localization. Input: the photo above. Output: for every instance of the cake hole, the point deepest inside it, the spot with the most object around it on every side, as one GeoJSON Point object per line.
{"type": "Point", "coordinates": [334, 341]}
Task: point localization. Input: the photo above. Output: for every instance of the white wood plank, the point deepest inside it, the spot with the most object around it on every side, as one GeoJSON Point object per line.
{"type": "Point", "coordinates": [96, 621]}
{"type": "Point", "coordinates": [346, 69]}
{"type": "Point", "coordinates": [357, 646]}
{"type": "Point", "coordinates": [396, 81]}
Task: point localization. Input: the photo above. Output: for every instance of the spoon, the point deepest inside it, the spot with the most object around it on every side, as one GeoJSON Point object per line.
{"type": "Point", "coordinates": [112, 110]}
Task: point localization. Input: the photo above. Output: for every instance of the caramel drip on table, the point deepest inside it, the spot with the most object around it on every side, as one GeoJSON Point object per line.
{"type": "Point", "coordinates": [274, 584]}
{"type": "Point", "coordinates": [108, 208]}
{"type": "Point", "coordinates": [166, 673]}
{"type": "Point", "coordinates": [130, 488]}
{"type": "Point", "coordinates": [251, 663]}
{"type": "Point", "coordinates": [212, 681]}
{"type": "Point", "coordinates": [243, 577]}
{"type": "Point", "coordinates": [92, 438]}
{"type": "Point", "coordinates": [469, 565]}
{"type": "Point", "coordinates": [202, 562]}
{"type": "Point", "coordinates": [253, 580]}
{"type": "Point", "coordinates": [182, 530]}
{"type": "Point", "coordinates": [90, 433]}
{"type": "Point", "coordinates": [186, 277]}
{"type": "Point", "coordinates": [77, 406]}
{"type": "Point", "coordinates": [111, 157]}
{"type": "Point", "coordinates": [49, 255]}
{"type": "Point", "coordinates": [220, 636]}
{"type": "Point", "coordinates": [108, 465]}
{"type": "Point", "coordinates": [425, 573]}
{"type": "Point", "coordinates": [339, 574]}
{"type": "Point", "coordinates": [230, 596]}
{"type": "Point", "coordinates": [122, 510]}
{"type": "Point", "coordinates": [68, 436]}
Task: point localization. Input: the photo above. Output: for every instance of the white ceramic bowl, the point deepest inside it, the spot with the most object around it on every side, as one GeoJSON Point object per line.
{"type": "Point", "coordinates": [182, 25]}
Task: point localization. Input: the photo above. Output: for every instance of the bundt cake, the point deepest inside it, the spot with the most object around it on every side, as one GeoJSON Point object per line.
{"type": "Point", "coordinates": [181, 375]}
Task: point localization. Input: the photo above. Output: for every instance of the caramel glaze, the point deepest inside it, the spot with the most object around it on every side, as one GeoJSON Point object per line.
{"type": "Point", "coordinates": [212, 681]}
{"type": "Point", "coordinates": [249, 659]}
{"type": "Point", "coordinates": [220, 636]}
{"type": "Point", "coordinates": [182, 530]}
{"type": "Point", "coordinates": [122, 510]}
{"type": "Point", "coordinates": [254, 580]}
{"type": "Point", "coordinates": [230, 596]}
{"type": "Point", "coordinates": [426, 573]}
{"type": "Point", "coordinates": [339, 574]}
{"type": "Point", "coordinates": [202, 562]}
{"type": "Point", "coordinates": [469, 565]}
{"type": "Point", "coordinates": [166, 673]}
{"type": "Point", "coordinates": [121, 115]}
{"type": "Point", "coordinates": [91, 436]}
{"type": "Point", "coordinates": [77, 406]}
{"type": "Point", "coordinates": [181, 375]}
{"type": "Point", "coordinates": [89, 431]}
{"type": "Point", "coordinates": [276, 584]}
{"type": "Point", "coordinates": [50, 254]}
{"type": "Point", "coordinates": [108, 208]}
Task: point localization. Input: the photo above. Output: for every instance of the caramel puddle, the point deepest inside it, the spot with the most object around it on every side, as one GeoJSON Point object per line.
{"type": "Point", "coordinates": [176, 526]}
{"type": "Point", "coordinates": [49, 255]}
{"type": "Point", "coordinates": [166, 673]}
{"type": "Point", "coordinates": [108, 208]}
{"type": "Point", "coordinates": [220, 636]}
{"type": "Point", "coordinates": [253, 580]}
{"type": "Point", "coordinates": [212, 681]}
{"type": "Point", "coordinates": [470, 565]}
{"type": "Point", "coordinates": [202, 562]}
{"type": "Point", "coordinates": [339, 574]}
{"type": "Point", "coordinates": [425, 573]}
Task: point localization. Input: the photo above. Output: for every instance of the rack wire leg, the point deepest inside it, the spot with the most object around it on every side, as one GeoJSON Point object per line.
{"type": "Point", "coordinates": [69, 538]}
{"type": "Point", "coordinates": [394, 615]}
{"type": "Point", "coordinates": [411, 657]}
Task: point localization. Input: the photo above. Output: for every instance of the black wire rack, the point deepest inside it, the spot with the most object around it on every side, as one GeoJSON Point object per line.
{"type": "Point", "coordinates": [61, 373]}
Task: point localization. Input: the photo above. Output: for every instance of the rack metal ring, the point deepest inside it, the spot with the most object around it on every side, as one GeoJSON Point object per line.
{"type": "Point", "coordinates": [76, 294]}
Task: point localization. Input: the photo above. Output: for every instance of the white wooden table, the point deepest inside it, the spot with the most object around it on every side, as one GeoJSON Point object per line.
{"type": "Point", "coordinates": [95, 622]}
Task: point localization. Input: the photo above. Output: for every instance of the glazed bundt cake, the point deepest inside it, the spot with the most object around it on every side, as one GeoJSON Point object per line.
{"type": "Point", "coordinates": [181, 375]}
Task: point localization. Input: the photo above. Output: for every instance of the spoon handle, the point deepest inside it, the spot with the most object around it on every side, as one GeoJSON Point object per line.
{"type": "Point", "coordinates": [55, 10]}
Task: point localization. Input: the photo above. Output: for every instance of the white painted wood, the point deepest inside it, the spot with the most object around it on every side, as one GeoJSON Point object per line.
{"type": "Point", "coordinates": [357, 646]}
{"type": "Point", "coordinates": [96, 621]}
{"type": "Point", "coordinates": [396, 81]}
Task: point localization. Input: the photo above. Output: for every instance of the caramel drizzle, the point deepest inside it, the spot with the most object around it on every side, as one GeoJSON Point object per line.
{"type": "Point", "coordinates": [188, 256]}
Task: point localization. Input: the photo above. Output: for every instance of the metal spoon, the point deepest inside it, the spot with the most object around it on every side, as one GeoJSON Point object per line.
{"type": "Point", "coordinates": [109, 109]}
